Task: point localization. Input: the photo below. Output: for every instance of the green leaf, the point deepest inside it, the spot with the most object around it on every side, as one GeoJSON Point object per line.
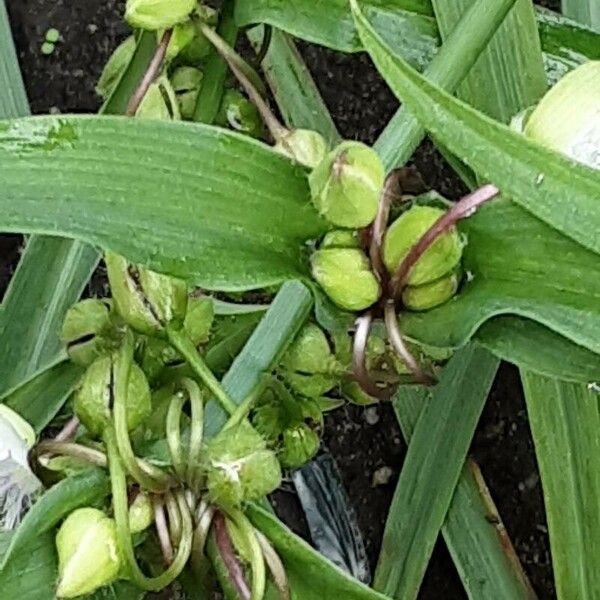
{"type": "Point", "coordinates": [537, 178]}
{"type": "Point", "coordinates": [204, 204]}
{"type": "Point", "coordinates": [39, 397]}
{"type": "Point", "coordinates": [13, 100]}
{"type": "Point", "coordinates": [406, 24]}
{"type": "Point", "coordinates": [515, 264]}
{"type": "Point", "coordinates": [566, 43]}
{"type": "Point", "coordinates": [50, 277]}
{"type": "Point", "coordinates": [145, 47]}
{"type": "Point", "coordinates": [32, 572]}
{"type": "Point", "coordinates": [311, 576]}
{"type": "Point", "coordinates": [330, 24]}
{"type": "Point", "coordinates": [458, 54]}
{"type": "Point", "coordinates": [52, 272]}
{"type": "Point", "coordinates": [293, 87]}
{"type": "Point", "coordinates": [484, 557]}
{"type": "Point", "coordinates": [496, 85]}
{"type": "Point", "coordinates": [81, 489]}
{"type": "Point", "coordinates": [264, 349]}
{"type": "Point", "coordinates": [431, 471]}
{"type": "Point", "coordinates": [216, 70]}
{"type": "Point", "coordinates": [565, 421]}
{"type": "Point", "coordinates": [537, 348]}
{"type": "Point", "coordinates": [584, 11]}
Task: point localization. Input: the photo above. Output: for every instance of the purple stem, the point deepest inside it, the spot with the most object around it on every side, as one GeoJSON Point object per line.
{"type": "Point", "coordinates": [162, 529]}
{"type": "Point", "coordinates": [68, 432]}
{"type": "Point", "coordinates": [150, 74]}
{"type": "Point", "coordinates": [233, 566]}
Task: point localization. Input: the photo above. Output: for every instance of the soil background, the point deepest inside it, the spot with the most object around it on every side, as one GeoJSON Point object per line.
{"type": "Point", "coordinates": [361, 442]}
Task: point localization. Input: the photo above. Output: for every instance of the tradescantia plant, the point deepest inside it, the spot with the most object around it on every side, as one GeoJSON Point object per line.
{"type": "Point", "coordinates": [168, 410]}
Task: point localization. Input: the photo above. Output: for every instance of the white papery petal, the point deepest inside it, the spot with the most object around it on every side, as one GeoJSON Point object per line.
{"type": "Point", "coordinates": [18, 484]}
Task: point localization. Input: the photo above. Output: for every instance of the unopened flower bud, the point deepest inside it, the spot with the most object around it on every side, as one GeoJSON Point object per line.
{"type": "Point", "coordinates": [240, 467]}
{"type": "Point", "coordinates": [88, 554]}
{"type": "Point", "coordinates": [346, 277]}
{"type": "Point", "coordinates": [186, 82]}
{"type": "Point", "coordinates": [199, 319]}
{"type": "Point", "coordinates": [305, 146]}
{"type": "Point", "coordinates": [159, 102]}
{"type": "Point", "coordinates": [440, 258]}
{"type": "Point", "coordinates": [157, 14]}
{"type": "Point", "coordinates": [87, 330]}
{"type": "Point", "coordinates": [141, 513]}
{"type": "Point", "coordinates": [300, 444]}
{"type": "Point", "coordinates": [200, 48]}
{"type": "Point", "coordinates": [95, 396]}
{"type": "Point", "coordinates": [567, 118]}
{"type": "Point", "coordinates": [346, 185]}
{"type": "Point", "coordinates": [238, 113]}
{"type": "Point", "coordinates": [430, 295]}
{"type": "Point", "coordinates": [341, 238]}
{"type": "Point", "coordinates": [182, 35]}
{"type": "Point", "coordinates": [310, 352]}
{"type": "Point", "coordinates": [146, 300]}
{"type": "Point", "coordinates": [115, 67]}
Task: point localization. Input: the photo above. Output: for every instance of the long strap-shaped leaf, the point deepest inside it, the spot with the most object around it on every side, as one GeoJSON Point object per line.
{"type": "Point", "coordinates": [584, 11]}
{"type": "Point", "coordinates": [194, 201]}
{"type": "Point", "coordinates": [538, 179]}
{"type": "Point", "coordinates": [434, 461]}
{"type": "Point", "coordinates": [565, 423]}
{"type": "Point", "coordinates": [51, 272]}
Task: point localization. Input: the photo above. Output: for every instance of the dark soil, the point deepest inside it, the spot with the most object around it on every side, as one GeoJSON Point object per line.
{"type": "Point", "coordinates": [361, 105]}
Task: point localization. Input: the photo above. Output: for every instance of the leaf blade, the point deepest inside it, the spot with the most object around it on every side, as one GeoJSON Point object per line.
{"type": "Point", "coordinates": [238, 214]}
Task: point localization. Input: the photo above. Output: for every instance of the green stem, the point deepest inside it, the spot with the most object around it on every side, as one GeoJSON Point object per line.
{"type": "Point", "coordinates": [121, 512]}
{"type": "Point", "coordinates": [197, 432]}
{"type": "Point", "coordinates": [70, 449]}
{"type": "Point", "coordinates": [173, 431]}
{"type": "Point", "coordinates": [175, 518]}
{"type": "Point", "coordinates": [148, 476]}
{"type": "Point", "coordinates": [182, 343]}
{"type": "Point", "coordinates": [215, 72]}
{"type": "Point", "coordinates": [257, 560]}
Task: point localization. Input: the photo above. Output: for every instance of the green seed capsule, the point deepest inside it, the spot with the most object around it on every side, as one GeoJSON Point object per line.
{"type": "Point", "coordinates": [187, 82]}
{"type": "Point", "coordinates": [430, 295]}
{"type": "Point", "coordinates": [115, 67]}
{"type": "Point", "coordinates": [568, 117]}
{"type": "Point", "coordinates": [238, 113]}
{"type": "Point", "coordinates": [240, 468]}
{"type": "Point", "coordinates": [341, 238]}
{"type": "Point", "coordinates": [439, 259]}
{"type": "Point", "coordinates": [52, 35]}
{"type": "Point", "coordinates": [346, 277]}
{"type": "Point", "coordinates": [310, 353]}
{"type": "Point", "coordinates": [305, 146]}
{"type": "Point", "coordinates": [146, 300]}
{"type": "Point", "coordinates": [346, 185]}
{"type": "Point", "coordinates": [141, 513]}
{"type": "Point", "coordinates": [300, 445]}
{"type": "Point", "coordinates": [86, 329]}
{"type": "Point", "coordinates": [94, 397]}
{"type": "Point", "coordinates": [88, 553]}
{"type": "Point", "coordinates": [157, 14]}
